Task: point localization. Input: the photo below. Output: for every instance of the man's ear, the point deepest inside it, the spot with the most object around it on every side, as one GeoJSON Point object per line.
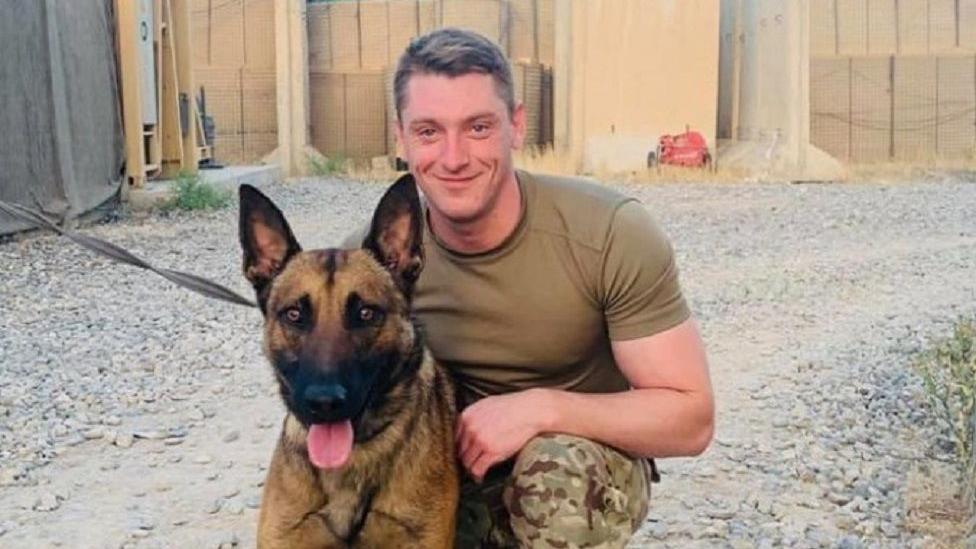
{"type": "Point", "coordinates": [396, 233]}
{"type": "Point", "coordinates": [518, 127]}
{"type": "Point", "coordinates": [266, 239]}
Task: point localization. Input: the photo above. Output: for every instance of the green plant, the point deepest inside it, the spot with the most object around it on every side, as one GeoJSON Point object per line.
{"type": "Point", "coordinates": [949, 374]}
{"type": "Point", "coordinates": [192, 193]}
{"type": "Point", "coordinates": [325, 166]}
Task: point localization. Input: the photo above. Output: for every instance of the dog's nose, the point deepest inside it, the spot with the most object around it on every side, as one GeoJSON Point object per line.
{"type": "Point", "coordinates": [326, 398]}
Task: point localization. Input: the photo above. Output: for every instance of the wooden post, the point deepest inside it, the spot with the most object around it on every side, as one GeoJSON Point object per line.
{"type": "Point", "coordinates": [186, 84]}
{"type": "Point", "coordinates": [169, 99]}
{"type": "Point", "coordinates": [291, 69]}
{"type": "Point", "coordinates": [151, 134]}
{"type": "Point", "coordinates": [126, 13]}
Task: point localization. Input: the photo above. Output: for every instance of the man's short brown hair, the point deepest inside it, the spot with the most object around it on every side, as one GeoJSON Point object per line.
{"type": "Point", "coordinates": [453, 52]}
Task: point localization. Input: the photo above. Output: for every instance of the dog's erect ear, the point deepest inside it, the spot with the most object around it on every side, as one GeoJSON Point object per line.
{"type": "Point", "coordinates": [266, 239]}
{"type": "Point", "coordinates": [396, 234]}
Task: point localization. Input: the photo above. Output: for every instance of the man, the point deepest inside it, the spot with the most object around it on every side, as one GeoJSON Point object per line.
{"type": "Point", "coordinates": [556, 305]}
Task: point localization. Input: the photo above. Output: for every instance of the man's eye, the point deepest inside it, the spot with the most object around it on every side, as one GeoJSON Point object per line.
{"type": "Point", "coordinates": [427, 133]}
{"type": "Point", "coordinates": [480, 128]}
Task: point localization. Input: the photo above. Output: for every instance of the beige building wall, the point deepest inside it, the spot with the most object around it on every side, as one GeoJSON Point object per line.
{"type": "Point", "coordinates": [628, 71]}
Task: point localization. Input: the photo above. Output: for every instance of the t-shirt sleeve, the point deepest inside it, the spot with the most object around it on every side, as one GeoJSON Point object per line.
{"type": "Point", "coordinates": [640, 291]}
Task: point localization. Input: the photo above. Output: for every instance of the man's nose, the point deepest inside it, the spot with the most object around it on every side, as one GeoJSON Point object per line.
{"type": "Point", "coordinates": [454, 156]}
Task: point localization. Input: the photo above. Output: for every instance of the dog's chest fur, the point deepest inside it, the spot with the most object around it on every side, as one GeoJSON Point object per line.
{"type": "Point", "coordinates": [347, 506]}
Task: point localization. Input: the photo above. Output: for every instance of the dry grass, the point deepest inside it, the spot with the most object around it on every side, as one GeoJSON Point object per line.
{"type": "Point", "coordinates": [918, 170]}
{"type": "Point", "coordinates": [934, 506]}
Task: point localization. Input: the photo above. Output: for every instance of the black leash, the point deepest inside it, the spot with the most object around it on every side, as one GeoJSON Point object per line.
{"type": "Point", "coordinates": [193, 282]}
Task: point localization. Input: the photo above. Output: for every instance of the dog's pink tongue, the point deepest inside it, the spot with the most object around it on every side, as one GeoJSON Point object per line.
{"type": "Point", "coordinates": [329, 444]}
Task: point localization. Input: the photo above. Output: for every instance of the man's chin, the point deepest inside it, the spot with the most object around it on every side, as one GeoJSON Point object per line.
{"type": "Point", "coordinates": [461, 216]}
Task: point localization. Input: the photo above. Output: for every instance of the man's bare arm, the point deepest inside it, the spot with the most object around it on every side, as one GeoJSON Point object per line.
{"type": "Point", "coordinates": [670, 411]}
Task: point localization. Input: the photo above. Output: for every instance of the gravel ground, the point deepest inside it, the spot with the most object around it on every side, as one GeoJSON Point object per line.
{"type": "Point", "coordinates": [137, 414]}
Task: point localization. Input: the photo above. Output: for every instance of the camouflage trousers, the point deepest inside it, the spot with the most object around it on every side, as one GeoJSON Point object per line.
{"type": "Point", "coordinates": [559, 492]}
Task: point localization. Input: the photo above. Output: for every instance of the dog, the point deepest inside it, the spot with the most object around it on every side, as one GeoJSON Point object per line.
{"type": "Point", "coordinates": [366, 455]}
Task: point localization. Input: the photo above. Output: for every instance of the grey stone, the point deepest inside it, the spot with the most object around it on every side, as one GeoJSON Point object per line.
{"type": "Point", "coordinates": [46, 502]}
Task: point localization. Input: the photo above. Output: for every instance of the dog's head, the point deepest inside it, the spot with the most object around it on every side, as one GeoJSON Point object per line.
{"type": "Point", "coordinates": [337, 325]}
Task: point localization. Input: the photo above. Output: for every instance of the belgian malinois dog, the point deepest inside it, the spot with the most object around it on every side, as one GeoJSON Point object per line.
{"type": "Point", "coordinates": [366, 453]}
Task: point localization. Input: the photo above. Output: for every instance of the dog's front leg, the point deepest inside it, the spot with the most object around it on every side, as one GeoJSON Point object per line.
{"type": "Point", "coordinates": [289, 508]}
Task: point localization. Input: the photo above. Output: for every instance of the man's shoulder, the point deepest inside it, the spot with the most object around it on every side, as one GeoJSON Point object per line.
{"type": "Point", "coordinates": [576, 208]}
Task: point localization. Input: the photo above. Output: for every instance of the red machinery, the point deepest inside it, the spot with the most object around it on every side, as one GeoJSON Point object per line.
{"type": "Point", "coordinates": [685, 149]}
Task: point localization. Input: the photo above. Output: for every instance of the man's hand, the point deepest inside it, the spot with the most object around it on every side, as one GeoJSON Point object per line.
{"type": "Point", "coordinates": [497, 427]}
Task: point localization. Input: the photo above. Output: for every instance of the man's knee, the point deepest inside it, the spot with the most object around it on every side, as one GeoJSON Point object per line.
{"type": "Point", "coordinates": [568, 491]}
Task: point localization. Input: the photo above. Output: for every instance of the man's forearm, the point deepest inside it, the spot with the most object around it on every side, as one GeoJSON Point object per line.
{"type": "Point", "coordinates": [644, 422]}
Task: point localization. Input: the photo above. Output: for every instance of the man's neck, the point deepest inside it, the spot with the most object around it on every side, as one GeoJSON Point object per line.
{"type": "Point", "coordinates": [486, 233]}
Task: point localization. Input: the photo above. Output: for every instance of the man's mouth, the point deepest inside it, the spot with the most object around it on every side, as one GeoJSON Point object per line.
{"type": "Point", "coordinates": [457, 180]}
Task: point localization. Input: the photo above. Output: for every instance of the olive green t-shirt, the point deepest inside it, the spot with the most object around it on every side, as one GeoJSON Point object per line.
{"type": "Point", "coordinates": [585, 266]}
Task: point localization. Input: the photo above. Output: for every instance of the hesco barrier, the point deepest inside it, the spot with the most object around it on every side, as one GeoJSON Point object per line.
{"type": "Point", "coordinates": [353, 47]}
{"type": "Point", "coordinates": [893, 80]}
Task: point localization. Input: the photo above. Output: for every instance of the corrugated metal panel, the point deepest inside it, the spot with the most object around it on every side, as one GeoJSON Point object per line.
{"type": "Point", "coordinates": [527, 80]}
{"type": "Point", "coordinates": [545, 117]}
{"type": "Point", "coordinates": [391, 115]}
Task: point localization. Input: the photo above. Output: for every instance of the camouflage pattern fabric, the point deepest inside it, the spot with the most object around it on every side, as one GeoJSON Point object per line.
{"type": "Point", "coordinates": [561, 492]}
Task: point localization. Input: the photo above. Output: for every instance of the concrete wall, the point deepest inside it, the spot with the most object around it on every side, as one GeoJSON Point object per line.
{"type": "Point", "coordinates": [628, 71]}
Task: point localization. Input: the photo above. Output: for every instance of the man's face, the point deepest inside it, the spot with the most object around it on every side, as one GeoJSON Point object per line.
{"type": "Point", "coordinates": [457, 136]}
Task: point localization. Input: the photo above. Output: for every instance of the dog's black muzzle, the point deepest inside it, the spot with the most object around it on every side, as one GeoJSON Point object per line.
{"type": "Point", "coordinates": [316, 396]}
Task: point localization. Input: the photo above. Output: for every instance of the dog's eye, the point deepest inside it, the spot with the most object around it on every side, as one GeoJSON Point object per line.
{"type": "Point", "coordinates": [369, 316]}
{"type": "Point", "coordinates": [294, 316]}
